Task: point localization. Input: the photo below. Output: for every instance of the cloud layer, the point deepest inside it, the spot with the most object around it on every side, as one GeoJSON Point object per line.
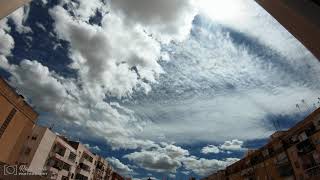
{"type": "Point", "coordinates": [143, 82]}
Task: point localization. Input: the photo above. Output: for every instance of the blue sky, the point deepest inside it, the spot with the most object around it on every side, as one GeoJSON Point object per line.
{"type": "Point", "coordinates": [160, 88]}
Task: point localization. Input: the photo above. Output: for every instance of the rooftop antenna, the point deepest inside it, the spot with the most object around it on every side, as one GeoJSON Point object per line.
{"type": "Point", "coordinates": [297, 106]}
{"type": "Point", "coordinates": [59, 110]}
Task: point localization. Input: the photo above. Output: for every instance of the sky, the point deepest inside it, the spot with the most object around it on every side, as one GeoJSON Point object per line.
{"type": "Point", "coordinates": [170, 88]}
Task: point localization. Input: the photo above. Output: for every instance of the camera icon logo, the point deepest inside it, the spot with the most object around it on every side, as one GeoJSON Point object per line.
{"type": "Point", "coordinates": [10, 170]}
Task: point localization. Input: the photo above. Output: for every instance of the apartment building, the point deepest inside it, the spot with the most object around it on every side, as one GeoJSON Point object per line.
{"type": "Point", "coordinates": [17, 119]}
{"type": "Point", "coordinates": [48, 154]}
{"type": "Point", "coordinates": [86, 161]}
{"type": "Point", "coordinates": [103, 171]}
{"type": "Point", "coordinates": [292, 154]}
{"type": "Point", "coordinates": [300, 18]}
{"type": "Point", "coordinates": [116, 176]}
{"type": "Point", "coordinates": [53, 156]}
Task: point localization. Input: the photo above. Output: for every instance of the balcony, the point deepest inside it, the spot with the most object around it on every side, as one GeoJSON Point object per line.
{"type": "Point", "coordinates": [83, 172]}
{"type": "Point", "coordinates": [305, 147]}
{"type": "Point", "coordinates": [313, 171]}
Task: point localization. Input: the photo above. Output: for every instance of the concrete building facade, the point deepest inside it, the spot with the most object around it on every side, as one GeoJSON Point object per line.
{"type": "Point", "coordinates": [47, 154]}
{"type": "Point", "coordinates": [17, 119]}
{"type": "Point", "coordinates": [55, 157]}
{"type": "Point", "coordinates": [300, 18]}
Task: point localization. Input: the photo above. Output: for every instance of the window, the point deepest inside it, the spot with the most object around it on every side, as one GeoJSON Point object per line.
{"type": "Point", "coordinates": [84, 167]}
{"type": "Point", "coordinates": [27, 151]}
{"type": "Point", "coordinates": [34, 137]}
{"type": "Point", "coordinates": [72, 156]}
{"type": "Point", "coordinates": [66, 167]}
{"type": "Point", "coordinates": [59, 149]}
{"type": "Point", "coordinates": [81, 177]}
{"type": "Point", "coordinates": [7, 121]}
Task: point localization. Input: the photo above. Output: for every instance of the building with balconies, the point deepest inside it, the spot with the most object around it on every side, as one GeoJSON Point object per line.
{"type": "Point", "coordinates": [49, 154]}
{"type": "Point", "coordinates": [101, 169]}
{"type": "Point", "coordinates": [86, 161]}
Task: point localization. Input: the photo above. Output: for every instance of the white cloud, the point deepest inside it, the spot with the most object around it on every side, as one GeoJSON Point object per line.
{"type": "Point", "coordinates": [19, 18]}
{"type": "Point", "coordinates": [95, 149]}
{"type": "Point", "coordinates": [6, 43]}
{"type": "Point", "coordinates": [168, 158]}
{"type": "Point", "coordinates": [166, 20]}
{"type": "Point", "coordinates": [104, 57]}
{"type": "Point", "coordinates": [64, 100]}
{"type": "Point", "coordinates": [204, 167]}
{"type": "Point", "coordinates": [234, 145]}
{"type": "Point", "coordinates": [119, 167]}
{"type": "Point", "coordinates": [221, 77]}
{"type": "Point", "coordinates": [164, 158]}
{"type": "Point", "coordinates": [210, 149]}
{"type": "Point", "coordinates": [226, 147]}
{"type": "Point", "coordinates": [41, 26]}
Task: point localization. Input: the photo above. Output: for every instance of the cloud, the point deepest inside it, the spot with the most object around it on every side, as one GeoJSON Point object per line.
{"type": "Point", "coordinates": [95, 149]}
{"type": "Point", "coordinates": [234, 145]}
{"type": "Point", "coordinates": [210, 149]}
{"type": "Point", "coordinates": [119, 167]}
{"type": "Point", "coordinates": [169, 158]}
{"type": "Point", "coordinates": [166, 19]}
{"type": "Point", "coordinates": [63, 99]}
{"type": "Point", "coordinates": [204, 167]}
{"type": "Point", "coordinates": [220, 77]}
{"type": "Point", "coordinates": [19, 18]}
{"type": "Point", "coordinates": [6, 43]}
{"type": "Point", "coordinates": [41, 26]}
{"type": "Point", "coordinates": [103, 56]}
{"type": "Point", "coordinates": [165, 158]}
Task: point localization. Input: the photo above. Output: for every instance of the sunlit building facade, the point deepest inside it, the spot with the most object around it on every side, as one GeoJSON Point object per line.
{"type": "Point", "coordinates": [17, 119]}
{"type": "Point", "coordinates": [53, 156]}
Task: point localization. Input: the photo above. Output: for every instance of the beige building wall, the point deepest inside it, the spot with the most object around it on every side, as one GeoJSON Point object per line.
{"type": "Point", "coordinates": [17, 119]}
{"type": "Point", "coordinates": [8, 6]}
{"type": "Point", "coordinates": [300, 18]}
{"type": "Point", "coordinates": [37, 149]}
{"type": "Point", "coordinates": [47, 152]}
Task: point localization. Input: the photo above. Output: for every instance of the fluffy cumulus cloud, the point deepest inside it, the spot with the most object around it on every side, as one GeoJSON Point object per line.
{"type": "Point", "coordinates": [166, 19]}
{"type": "Point", "coordinates": [210, 149]}
{"type": "Point", "coordinates": [120, 167]}
{"type": "Point", "coordinates": [164, 158]}
{"type": "Point", "coordinates": [112, 59]}
{"type": "Point", "coordinates": [204, 167]}
{"type": "Point", "coordinates": [6, 43]}
{"type": "Point", "coordinates": [233, 145]}
{"type": "Point", "coordinates": [95, 149]}
{"type": "Point", "coordinates": [168, 158]}
{"type": "Point", "coordinates": [103, 56]}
